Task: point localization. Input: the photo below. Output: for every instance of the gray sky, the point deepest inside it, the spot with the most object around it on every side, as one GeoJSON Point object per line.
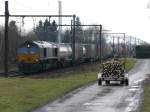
{"type": "Point", "coordinates": [129, 16]}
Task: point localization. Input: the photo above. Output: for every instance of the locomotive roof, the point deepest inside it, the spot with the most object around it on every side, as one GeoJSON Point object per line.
{"type": "Point", "coordinates": [40, 44]}
{"type": "Point", "coordinates": [44, 44]}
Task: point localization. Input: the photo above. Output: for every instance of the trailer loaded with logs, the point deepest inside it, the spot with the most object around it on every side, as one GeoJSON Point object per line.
{"type": "Point", "coordinates": [113, 70]}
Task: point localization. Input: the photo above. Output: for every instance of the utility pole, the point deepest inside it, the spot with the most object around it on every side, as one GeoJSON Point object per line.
{"type": "Point", "coordinates": [60, 28]}
{"type": "Point", "coordinates": [73, 40]}
{"type": "Point", "coordinates": [125, 42]}
{"type": "Point", "coordinates": [118, 45]}
{"type": "Point", "coordinates": [130, 46]}
{"type": "Point", "coordinates": [135, 46]}
{"type": "Point", "coordinates": [71, 32]}
{"type": "Point", "coordinates": [113, 47]}
{"type": "Point", "coordinates": [100, 35]}
{"type": "Point", "coordinates": [125, 52]}
{"type": "Point", "coordinates": [135, 41]}
{"type": "Point", "coordinates": [6, 40]}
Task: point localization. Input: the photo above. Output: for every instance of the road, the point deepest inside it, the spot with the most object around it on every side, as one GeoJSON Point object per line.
{"type": "Point", "coordinates": [113, 98]}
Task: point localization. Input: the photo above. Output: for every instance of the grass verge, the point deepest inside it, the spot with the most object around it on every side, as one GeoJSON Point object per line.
{"type": "Point", "coordinates": [26, 94]}
{"type": "Point", "coordinates": [146, 102]}
{"type": "Point", "coordinates": [130, 63]}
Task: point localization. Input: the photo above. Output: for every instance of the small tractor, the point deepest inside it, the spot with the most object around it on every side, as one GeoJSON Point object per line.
{"type": "Point", "coordinates": [113, 70]}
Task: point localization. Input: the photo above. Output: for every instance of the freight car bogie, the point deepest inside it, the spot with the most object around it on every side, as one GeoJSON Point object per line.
{"type": "Point", "coordinates": [42, 65]}
{"type": "Point", "coordinates": [29, 68]}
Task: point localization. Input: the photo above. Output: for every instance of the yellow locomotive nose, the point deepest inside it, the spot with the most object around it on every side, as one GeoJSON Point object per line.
{"type": "Point", "coordinates": [30, 58]}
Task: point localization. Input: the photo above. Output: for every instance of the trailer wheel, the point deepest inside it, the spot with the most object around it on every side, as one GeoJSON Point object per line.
{"type": "Point", "coordinates": [99, 82]}
{"type": "Point", "coordinates": [107, 82]}
{"type": "Point", "coordinates": [122, 82]}
{"type": "Point", "coordinates": [126, 82]}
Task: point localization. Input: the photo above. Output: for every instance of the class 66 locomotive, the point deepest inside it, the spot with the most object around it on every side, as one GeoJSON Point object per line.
{"type": "Point", "coordinates": [35, 56]}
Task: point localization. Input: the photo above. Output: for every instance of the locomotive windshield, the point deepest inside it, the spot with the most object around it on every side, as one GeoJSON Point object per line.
{"type": "Point", "coordinates": [26, 50]}
{"type": "Point", "coordinates": [23, 51]}
{"type": "Point", "coordinates": [33, 50]}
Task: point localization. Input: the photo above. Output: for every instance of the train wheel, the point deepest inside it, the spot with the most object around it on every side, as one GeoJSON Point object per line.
{"type": "Point", "coordinates": [43, 66]}
{"type": "Point", "coordinates": [59, 65]}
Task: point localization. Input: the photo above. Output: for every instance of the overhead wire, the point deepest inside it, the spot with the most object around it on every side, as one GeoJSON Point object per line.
{"type": "Point", "coordinates": [26, 6]}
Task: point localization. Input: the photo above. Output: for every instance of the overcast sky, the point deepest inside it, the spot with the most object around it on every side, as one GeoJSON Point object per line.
{"type": "Point", "coordinates": [129, 16]}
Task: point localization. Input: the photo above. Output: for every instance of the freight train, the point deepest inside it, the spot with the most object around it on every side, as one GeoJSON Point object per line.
{"type": "Point", "coordinates": [34, 56]}
{"type": "Point", "coordinates": [142, 51]}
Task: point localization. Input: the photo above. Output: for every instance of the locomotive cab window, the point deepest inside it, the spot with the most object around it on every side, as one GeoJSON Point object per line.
{"type": "Point", "coordinates": [23, 51]}
{"type": "Point", "coordinates": [44, 52]}
{"type": "Point", "coordinates": [55, 51]}
{"type": "Point", "coordinates": [33, 50]}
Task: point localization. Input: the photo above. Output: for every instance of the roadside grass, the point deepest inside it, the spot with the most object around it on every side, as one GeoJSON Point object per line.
{"type": "Point", "coordinates": [26, 94]}
{"type": "Point", "coordinates": [146, 100]}
{"type": "Point", "coordinates": [130, 63]}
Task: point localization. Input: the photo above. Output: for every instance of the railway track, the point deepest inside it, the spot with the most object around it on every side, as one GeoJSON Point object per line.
{"type": "Point", "coordinates": [11, 74]}
{"type": "Point", "coordinates": [83, 68]}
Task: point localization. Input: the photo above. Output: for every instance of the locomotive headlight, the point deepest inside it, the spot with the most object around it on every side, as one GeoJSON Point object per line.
{"type": "Point", "coordinates": [36, 60]}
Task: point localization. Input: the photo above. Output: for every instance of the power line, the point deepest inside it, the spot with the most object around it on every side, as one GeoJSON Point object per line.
{"type": "Point", "coordinates": [25, 6]}
{"type": "Point", "coordinates": [38, 15]}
